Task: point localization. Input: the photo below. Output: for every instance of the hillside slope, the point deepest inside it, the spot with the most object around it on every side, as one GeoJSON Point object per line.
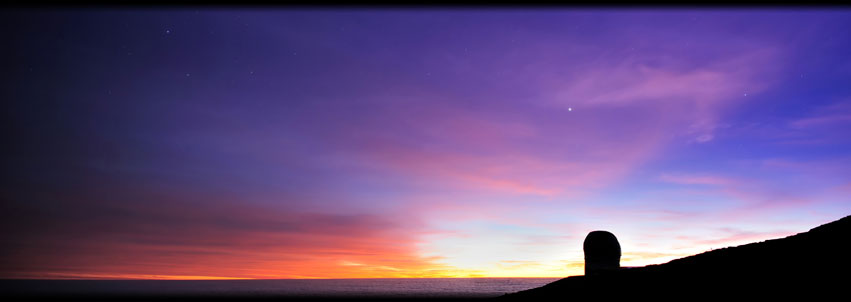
{"type": "Point", "coordinates": [809, 264]}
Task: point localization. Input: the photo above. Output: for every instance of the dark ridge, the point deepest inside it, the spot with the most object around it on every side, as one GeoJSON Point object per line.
{"type": "Point", "coordinates": [811, 264]}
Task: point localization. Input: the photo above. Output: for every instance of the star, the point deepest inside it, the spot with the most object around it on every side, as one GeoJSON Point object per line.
{"type": "Point", "coordinates": [569, 108]}
{"type": "Point", "coordinates": [168, 31]}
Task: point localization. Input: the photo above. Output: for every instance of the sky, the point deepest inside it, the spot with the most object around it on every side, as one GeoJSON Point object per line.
{"type": "Point", "coordinates": [184, 143]}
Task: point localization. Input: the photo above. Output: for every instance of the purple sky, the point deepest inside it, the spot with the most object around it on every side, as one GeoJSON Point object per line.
{"type": "Point", "coordinates": [181, 143]}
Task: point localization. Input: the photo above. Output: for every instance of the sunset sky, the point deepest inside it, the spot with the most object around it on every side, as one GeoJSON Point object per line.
{"type": "Point", "coordinates": [175, 143]}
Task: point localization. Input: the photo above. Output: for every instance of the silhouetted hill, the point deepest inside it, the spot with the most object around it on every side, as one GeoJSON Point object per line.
{"type": "Point", "coordinates": [809, 264]}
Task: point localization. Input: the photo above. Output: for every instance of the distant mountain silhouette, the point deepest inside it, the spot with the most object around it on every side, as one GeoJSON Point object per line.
{"type": "Point", "coordinates": [806, 265]}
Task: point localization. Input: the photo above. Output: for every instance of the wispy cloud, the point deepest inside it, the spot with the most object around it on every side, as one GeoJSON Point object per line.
{"type": "Point", "coordinates": [688, 179]}
{"type": "Point", "coordinates": [170, 237]}
{"type": "Point", "coordinates": [686, 96]}
{"type": "Point", "coordinates": [836, 114]}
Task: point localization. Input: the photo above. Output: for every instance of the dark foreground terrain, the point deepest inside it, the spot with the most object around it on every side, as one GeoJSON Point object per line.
{"type": "Point", "coordinates": [809, 265]}
{"type": "Point", "coordinates": [813, 265]}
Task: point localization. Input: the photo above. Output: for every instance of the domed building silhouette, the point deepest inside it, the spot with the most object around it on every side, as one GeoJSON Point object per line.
{"type": "Point", "coordinates": [602, 253]}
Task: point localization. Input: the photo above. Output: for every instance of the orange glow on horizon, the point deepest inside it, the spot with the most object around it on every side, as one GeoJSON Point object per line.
{"type": "Point", "coordinates": [362, 268]}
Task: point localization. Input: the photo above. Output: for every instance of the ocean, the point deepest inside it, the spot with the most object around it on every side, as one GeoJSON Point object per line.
{"type": "Point", "coordinates": [400, 288]}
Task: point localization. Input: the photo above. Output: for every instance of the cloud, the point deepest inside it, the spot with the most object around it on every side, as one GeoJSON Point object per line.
{"type": "Point", "coordinates": [682, 94]}
{"type": "Point", "coordinates": [687, 179]}
{"type": "Point", "coordinates": [819, 121]}
{"type": "Point", "coordinates": [833, 115]}
{"type": "Point", "coordinates": [506, 168]}
{"type": "Point", "coordinates": [84, 236]}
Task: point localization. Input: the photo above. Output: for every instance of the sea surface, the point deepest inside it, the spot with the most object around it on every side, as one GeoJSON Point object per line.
{"type": "Point", "coordinates": [413, 287]}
